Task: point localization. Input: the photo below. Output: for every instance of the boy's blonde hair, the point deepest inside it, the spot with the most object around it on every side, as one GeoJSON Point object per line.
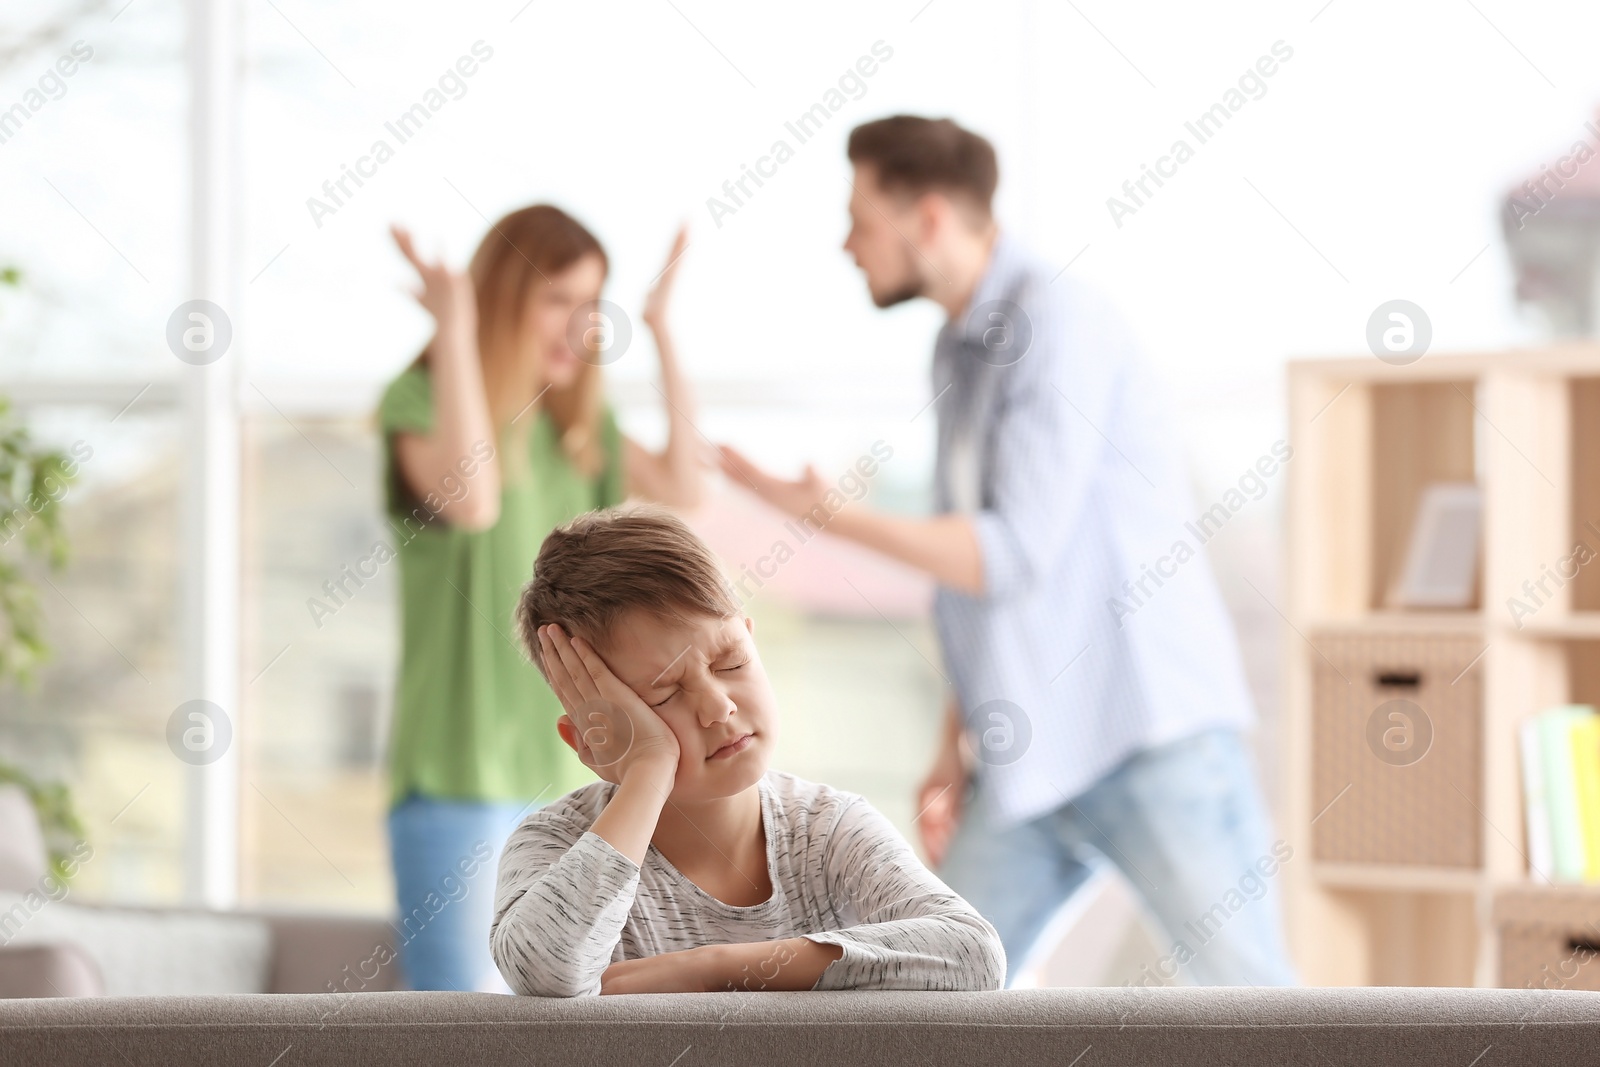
{"type": "Point", "coordinates": [602, 564]}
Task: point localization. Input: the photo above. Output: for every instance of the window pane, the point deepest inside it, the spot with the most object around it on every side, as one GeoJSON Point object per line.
{"type": "Point", "coordinates": [97, 718]}
{"type": "Point", "coordinates": [319, 666]}
{"type": "Point", "coordinates": [96, 183]}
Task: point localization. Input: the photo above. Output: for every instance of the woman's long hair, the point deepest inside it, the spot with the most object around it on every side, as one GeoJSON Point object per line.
{"type": "Point", "coordinates": [515, 259]}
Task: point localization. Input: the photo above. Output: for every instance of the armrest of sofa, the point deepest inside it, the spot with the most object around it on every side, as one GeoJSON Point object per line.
{"type": "Point", "coordinates": [48, 970]}
{"type": "Point", "coordinates": [332, 954]}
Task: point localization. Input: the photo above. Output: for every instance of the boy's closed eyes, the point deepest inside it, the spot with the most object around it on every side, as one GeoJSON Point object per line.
{"type": "Point", "coordinates": [702, 677]}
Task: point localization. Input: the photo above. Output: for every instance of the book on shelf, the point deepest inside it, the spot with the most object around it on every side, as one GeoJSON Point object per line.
{"type": "Point", "coordinates": [1540, 848]}
{"type": "Point", "coordinates": [1560, 750]}
{"type": "Point", "coordinates": [1585, 736]}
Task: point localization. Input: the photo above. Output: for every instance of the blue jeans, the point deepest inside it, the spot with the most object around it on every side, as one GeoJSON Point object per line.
{"type": "Point", "coordinates": [1184, 823]}
{"type": "Point", "coordinates": [446, 855]}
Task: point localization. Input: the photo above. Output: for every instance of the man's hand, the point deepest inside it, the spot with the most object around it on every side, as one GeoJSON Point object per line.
{"type": "Point", "coordinates": [795, 499]}
{"type": "Point", "coordinates": [939, 798]}
{"type": "Point", "coordinates": [611, 729]}
{"type": "Point", "coordinates": [945, 546]}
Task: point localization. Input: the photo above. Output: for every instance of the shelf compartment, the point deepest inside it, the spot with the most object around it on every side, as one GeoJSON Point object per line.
{"type": "Point", "coordinates": [1422, 432]}
{"type": "Point", "coordinates": [1397, 756]}
{"type": "Point", "coordinates": [1549, 936]}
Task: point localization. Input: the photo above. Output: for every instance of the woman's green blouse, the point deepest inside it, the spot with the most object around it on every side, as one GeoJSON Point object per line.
{"type": "Point", "coordinates": [473, 718]}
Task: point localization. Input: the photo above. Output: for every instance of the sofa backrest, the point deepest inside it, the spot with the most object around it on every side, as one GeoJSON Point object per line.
{"type": "Point", "coordinates": [1019, 1027]}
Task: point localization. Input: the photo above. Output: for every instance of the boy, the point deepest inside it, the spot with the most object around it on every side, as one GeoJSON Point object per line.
{"type": "Point", "coordinates": [692, 867]}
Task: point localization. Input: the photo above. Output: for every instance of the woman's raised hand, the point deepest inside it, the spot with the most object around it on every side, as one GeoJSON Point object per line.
{"type": "Point", "coordinates": [611, 728]}
{"type": "Point", "coordinates": [446, 294]}
{"type": "Point", "coordinates": [660, 295]}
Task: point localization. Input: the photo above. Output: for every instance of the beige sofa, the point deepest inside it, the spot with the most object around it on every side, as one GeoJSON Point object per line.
{"type": "Point", "coordinates": [1055, 1027]}
{"type": "Point", "coordinates": [54, 945]}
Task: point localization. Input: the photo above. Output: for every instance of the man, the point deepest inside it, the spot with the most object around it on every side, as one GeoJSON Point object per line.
{"type": "Point", "coordinates": [1097, 682]}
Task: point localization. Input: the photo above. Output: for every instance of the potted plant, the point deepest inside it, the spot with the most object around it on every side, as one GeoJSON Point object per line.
{"type": "Point", "coordinates": [33, 480]}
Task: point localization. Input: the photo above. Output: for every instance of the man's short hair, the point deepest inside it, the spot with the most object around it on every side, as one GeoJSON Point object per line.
{"type": "Point", "coordinates": [603, 564]}
{"type": "Point", "coordinates": [916, 155]}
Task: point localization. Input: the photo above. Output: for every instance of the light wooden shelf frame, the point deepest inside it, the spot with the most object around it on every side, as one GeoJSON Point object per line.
{"type": "Point", "coordinates": [1525, 424]}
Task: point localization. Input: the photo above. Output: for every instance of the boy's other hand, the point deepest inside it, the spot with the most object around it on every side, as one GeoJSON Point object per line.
{"type": "Point", "coordinates": [692, 970]}
{"type": "Point", "coordinates": [605, 722]}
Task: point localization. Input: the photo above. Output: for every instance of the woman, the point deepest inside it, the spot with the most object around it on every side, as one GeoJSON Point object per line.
{"type": "Point", "coordinates": [496, 434]}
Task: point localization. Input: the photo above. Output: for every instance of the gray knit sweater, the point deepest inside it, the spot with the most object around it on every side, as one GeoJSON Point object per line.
{"type": "Point", "coordinates": [567, 904]}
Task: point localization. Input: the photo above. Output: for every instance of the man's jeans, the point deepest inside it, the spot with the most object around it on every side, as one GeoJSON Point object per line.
{"type": "Point", "coordinates": [1184, 823]}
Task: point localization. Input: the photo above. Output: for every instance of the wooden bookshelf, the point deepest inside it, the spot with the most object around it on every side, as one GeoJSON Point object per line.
{"type": "Point", "coordinates": [1367, 436]}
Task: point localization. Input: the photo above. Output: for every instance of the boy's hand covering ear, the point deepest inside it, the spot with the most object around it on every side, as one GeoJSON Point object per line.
{"type": "Point", "coordinates": [605, 722]}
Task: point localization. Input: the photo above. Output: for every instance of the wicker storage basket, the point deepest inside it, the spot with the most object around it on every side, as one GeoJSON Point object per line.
{"type": "Point", "coordinates": [1397, 749]}
{"type": "Point", "coordinates": [1549, 938]}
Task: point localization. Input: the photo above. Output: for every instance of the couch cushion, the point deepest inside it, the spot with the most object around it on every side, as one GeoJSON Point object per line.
{"type": "Point", "coordinates": [332, 953]}
{"type": "Point", "coordinates": [49, 971]}
{"type": "Point", "coordinates": [1055, 1027]}
{"type": "Point", "coordinates": [143, 952]}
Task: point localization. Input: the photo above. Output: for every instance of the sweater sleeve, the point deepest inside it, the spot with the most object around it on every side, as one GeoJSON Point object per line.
{"type": "Point", "coordinates": [560, 906]}
{"type": "Point", "coordinates": [912, 931]}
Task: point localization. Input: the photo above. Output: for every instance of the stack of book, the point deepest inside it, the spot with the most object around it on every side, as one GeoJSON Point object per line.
{"type": "Point", "coordinates": [1561, 793]}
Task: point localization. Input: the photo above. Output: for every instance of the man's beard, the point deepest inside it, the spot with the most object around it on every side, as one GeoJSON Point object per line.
{"type": "Point", "coordinates": [913, 286]}
{"type": "Point", "coordinates": [909, 291]}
